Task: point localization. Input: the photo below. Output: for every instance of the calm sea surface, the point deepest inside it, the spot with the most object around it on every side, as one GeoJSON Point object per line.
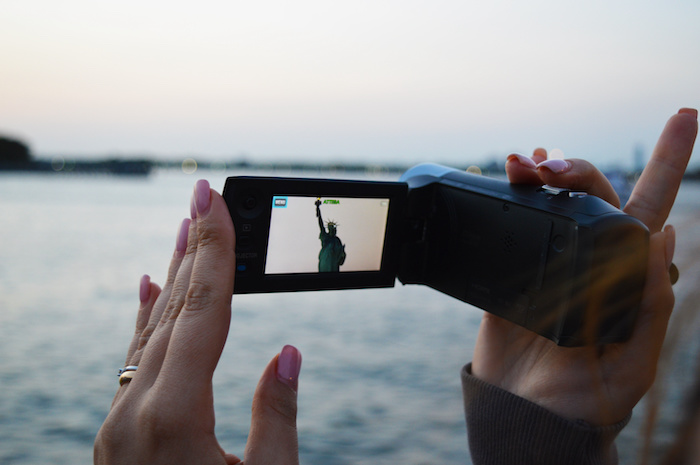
{"type": "Point", "coordinates": [380, 379]}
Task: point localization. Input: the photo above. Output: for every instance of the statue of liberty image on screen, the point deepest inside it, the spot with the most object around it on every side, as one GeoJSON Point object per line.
{"type": "Point", "coordinates": [332, 254]}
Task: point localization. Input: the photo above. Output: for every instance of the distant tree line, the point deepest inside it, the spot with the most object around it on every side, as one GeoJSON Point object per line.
{"type": "Point", "coordinates": [14, 152]}
{"type": "Point", "coordinates": [16, 156]}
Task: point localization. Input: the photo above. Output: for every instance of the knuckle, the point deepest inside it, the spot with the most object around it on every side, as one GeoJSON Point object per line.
{"type": "Point", "coordinates": [144, 336]}
{"type": "Point", "coordinates": [172, 309]}
{"type": "Point", "coordinates": [277, 407]}
{"type": "Point", "coordinates": [199, 296]}
{"type": "Point", "coordinates": [208, 235]}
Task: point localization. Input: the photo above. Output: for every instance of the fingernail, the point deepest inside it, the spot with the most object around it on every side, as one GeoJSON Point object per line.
{"type": "Point", "coordinates": [555, 165]}
{"type": "Point", "coordinates": [289, 366]}
{"type": "Point", "coordinates": [689, 111]}
{"type": "Point", "coordinates": [670, 244]}
{"type": "Point", "coordinates": [522, 159]}
{"type": "Point", "coordinates": [181, 242]}
{"type": "Point", "coordinates": [145, 288]}
{"type": "Point", "coordinates": [540, 152]}
{"type": "Point", "coordinates": [202, 199]}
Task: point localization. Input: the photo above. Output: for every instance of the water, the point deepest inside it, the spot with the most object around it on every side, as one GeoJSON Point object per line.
{"type": "Point", "coordinates": [380, 377]}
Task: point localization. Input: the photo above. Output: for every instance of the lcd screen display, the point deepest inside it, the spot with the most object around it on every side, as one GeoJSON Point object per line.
{"type": "Point", "coordinates": [326, 234]}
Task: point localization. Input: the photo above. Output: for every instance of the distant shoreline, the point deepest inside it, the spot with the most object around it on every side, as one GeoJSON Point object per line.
{"type": "Point", "coordinates": [108, 167]}
{"type": "Point", "coordinates": [144, 167]}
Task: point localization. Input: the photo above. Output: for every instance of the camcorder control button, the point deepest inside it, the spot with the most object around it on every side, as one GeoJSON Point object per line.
{"type": "Point", "coordinates": [250, 202]}
{"type": "Point", "coordinates": [559, 243]}
{"type": "Point", "coordinates": [241, 267]}
{"type": "Point", "coordinates": [553, 191]}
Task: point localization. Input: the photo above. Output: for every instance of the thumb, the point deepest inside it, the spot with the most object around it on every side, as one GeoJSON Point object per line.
{"type": "Point", "coordinates": [273, 429]}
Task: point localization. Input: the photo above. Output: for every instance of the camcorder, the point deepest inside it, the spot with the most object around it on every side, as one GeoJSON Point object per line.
{"type": "Point", "coordinates": [564, 264]}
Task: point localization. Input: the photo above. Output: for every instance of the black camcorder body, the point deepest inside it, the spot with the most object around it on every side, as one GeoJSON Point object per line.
{"type": "Point", "coordinates": [566, 265]}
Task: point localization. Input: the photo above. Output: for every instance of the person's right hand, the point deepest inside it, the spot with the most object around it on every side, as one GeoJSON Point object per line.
{"type": "Point", "coordinates": [165, 414]}
{"type": "Point", "coordinates": [599, 385]}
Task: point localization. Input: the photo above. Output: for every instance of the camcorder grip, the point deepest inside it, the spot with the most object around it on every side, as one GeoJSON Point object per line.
{"type": "Point", "coordinates": [564, 264]}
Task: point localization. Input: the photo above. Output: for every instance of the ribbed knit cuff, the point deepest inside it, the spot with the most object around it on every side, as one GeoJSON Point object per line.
{"type": "Point", "coordinates": [506, 429]}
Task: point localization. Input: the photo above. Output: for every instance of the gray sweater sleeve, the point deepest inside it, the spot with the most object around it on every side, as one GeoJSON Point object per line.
{"type": "Point", "coordinates": [506, 429]}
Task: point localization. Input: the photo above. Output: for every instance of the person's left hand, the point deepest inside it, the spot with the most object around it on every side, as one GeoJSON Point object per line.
{"type": "Point", "coordinates": [599, 385]}
{"type": "Point", "coordinates": [165, 414]}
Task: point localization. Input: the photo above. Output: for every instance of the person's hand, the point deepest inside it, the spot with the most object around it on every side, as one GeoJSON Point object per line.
{"type": "Point", "coordinates": [599, 385]}
{"type": "Point", "coordinates": [165, 413]}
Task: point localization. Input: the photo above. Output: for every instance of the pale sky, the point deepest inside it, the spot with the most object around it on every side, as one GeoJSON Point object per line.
{"type": "Point", "coordinates": [437, 80]}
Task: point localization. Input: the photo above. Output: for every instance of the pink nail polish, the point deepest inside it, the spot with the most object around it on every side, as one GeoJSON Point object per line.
{"type": "Point", "coordinates": [522, 159]}
{"type": "Point", "coordinates": [193, 209]}
{"type": "Point", "coordinates": [289, 366]}
{"type": "Point", "coordinates": [181, 242]}
{"type": "Point", "coordinates": [555, 165]}
{"type": "Point", "coordinates": [689, 111]}
{"type": "Point", "coordinates": [145, 289]}
{"type": "Point", "coordinates": [202, 197]}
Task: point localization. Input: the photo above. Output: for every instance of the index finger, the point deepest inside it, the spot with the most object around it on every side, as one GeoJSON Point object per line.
{"type": "Point", "coordinates": [655, 192]}
{"type": "Point", "coordinates": [201, 328]}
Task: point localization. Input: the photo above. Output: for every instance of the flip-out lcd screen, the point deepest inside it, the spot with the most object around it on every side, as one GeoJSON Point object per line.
{"type": "Point", "coordinates": [326, 234]}
{"type": "Point", "coordinates": [298, 234]}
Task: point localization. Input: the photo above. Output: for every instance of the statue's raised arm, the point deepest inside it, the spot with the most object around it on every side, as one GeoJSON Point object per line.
{"type": "Point", "coordinates": [318, 215]}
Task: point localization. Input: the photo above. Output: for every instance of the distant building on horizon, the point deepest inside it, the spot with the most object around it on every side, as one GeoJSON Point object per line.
{"type": "Point", "coordinates": [638, 158]}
